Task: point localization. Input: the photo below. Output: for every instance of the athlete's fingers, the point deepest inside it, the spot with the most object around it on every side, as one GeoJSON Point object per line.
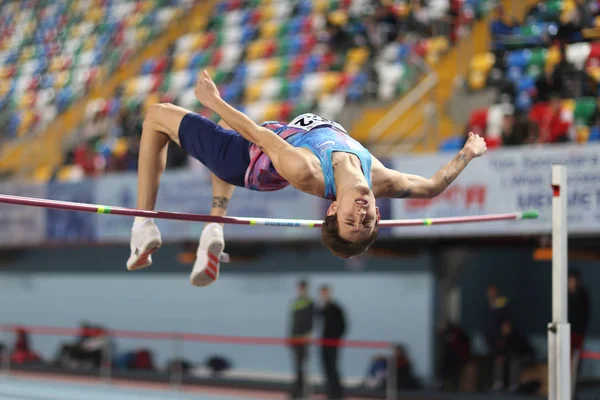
{"type": "Point", "coordinates": [206, 75]}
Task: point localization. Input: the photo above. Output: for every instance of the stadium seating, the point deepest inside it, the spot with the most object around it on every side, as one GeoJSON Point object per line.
{"type": "Point", "coordinates": [52, 52]}
{"type": "Point", "coordinates": [529, 54]}
{"type": "Point", "coordinates": [269, 60]}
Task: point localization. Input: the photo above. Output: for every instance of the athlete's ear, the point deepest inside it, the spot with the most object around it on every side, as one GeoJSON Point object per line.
{"type": "Point", "coordinates": [332, 209]}
{"type": "Point", "coordinates": [377, 214]}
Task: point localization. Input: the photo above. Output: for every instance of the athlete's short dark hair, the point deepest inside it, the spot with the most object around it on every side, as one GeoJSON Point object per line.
{"type": "Point", "coordinates": [330, 236]}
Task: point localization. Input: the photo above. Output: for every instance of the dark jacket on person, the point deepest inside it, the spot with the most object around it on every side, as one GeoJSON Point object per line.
{"type": "Point", "coordinates": [334, 321]}
{"type": "Point", "coordinates": [579, 310]}
{"type": "Point", "coordinates": [492, 319]}
{"type": "Point", "coordinates": [302, 317]}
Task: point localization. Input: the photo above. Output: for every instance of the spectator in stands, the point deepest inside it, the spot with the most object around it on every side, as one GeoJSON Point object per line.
{"type": "Point", "coordinates": [579, 310]}
{"type": "Point", "coordinates": [564, 75]}
{"type": "Point", "coordinates": [499, 27]}
{"type": "Point", "coordinates": [22, 352]}
{"type": "Point", "coordinates": [455, 354]}
{"type": "Point", "coordinates": [553, 128]}
{"type": "Point", "coordinates": [300, 331]}
{"type": "Point", "coordinates": [545, 85]}
{"type": "Point", "coordinates": [512, 352]}
{"type": "Point", "coordinates": [405, 379]}
{"type": "Point", "coordinates": [334, 328]}
{"type": "Point", "coordinates": [595, 118]}
{"type": "Point", "coordinates": [87, 351]}
{"type": "Point", "coordinates": [418, 19]}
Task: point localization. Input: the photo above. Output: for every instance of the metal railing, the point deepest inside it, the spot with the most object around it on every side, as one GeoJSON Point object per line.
{"type": "Point", "coordinates": [405, 136]}
{"type": "Point", "coordinates": [176, 374]}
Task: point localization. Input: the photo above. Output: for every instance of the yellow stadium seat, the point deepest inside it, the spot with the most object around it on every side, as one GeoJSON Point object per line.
{"type": "Point", "coordinates": [272, 111]}
{"type": "Point", "coordinates": [89, 43]}
{"type": "Point", "coordinates": [357, 56]}
{"type": "Point", "coordinates": [253, 92]}
{"type": "Point", "coordinates": [338, 17]}
{"type": "Point", "coordinates": [198, 41]}
{"type": "Point", "coordinates": [476, 80]}
{"type": "Point", "coordinates": [272, 66]}
{"type": "Point", "coordinates": [65, 173]}
{"type": "Point", "coordinates": [42, 174]}
{"type": "Point", "coordinates": [269, 29]}
{"type": "Point", "coordinates": [181, 61]}
{"type": "Point", "coordinates": [256, 50]}
{"type": "Point", "coordinates": [594, 72]}
{"type": "Point", "coordinates": [482, 63]}
{"type": "Point", "coordinates": [552, 57]}
{"type": "Point", "coordinates": [597, 21]}
{"type": "Point", "coordinates": [267, 12]}
{"type": "Point", "coordinates": [330, 82]}
{"type": "Point", "coordinates": [121, 147]}
{"type": "Point", "coordinates": [583, 134]}
{"type": "Point", "coordinates": [61, 79]}
{"type": "Point", "coordinates": [27, 53]}
{"type": "Point", "coordinates": [569, 104]}
{"type": "Point", "coordinates": [27, 100]}
{"type": "Point", "coordinates": [94, 15]}
{"type": "Point", "coordinates": [131, 87]}
{"type": "Point", "coordinates": [320, 6]}
{"type": "Point", "coordinates": [56, 64]}
{"type": "Point", "coordinates": [142, 33]}
{"type": "Point", "coordinates": [439, 44]}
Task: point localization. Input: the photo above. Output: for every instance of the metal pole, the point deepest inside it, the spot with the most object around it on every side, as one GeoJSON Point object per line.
{"type": "Point", "coordinates": [6, 355]}
{"type": "Point", "coordinates": [177, 358]}
{"type": "Point", "coordinates": [551, 362]}
{"type": "Point", "coordinates": [306, 385]}
{"type": "Point", "coordinates": [392, 389]}
{"type": "Point", "coordinates": [562, 331]}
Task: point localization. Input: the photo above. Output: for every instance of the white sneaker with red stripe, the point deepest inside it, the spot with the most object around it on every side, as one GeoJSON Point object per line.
{"type": "Point", "coordinates": [145, 240]}
{"type": "Point", "coordinates": [209, 256]}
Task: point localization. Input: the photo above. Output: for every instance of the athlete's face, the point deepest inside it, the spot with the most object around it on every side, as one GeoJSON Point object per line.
{"type": "Point", "coordinates": [356, 213]}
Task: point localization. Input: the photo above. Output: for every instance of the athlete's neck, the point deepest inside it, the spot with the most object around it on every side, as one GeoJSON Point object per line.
{"type": "Point", "coordinates": [347, 172]}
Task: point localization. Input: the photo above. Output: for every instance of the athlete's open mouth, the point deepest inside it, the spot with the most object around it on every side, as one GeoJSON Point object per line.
{"type": "Point", "coordinates": [361, 202]}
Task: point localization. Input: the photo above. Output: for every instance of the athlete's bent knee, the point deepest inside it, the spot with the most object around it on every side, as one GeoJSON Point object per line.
{"type": "Point", "coordinates": [157, 119]}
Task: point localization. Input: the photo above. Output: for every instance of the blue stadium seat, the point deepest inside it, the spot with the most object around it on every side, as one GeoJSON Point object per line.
{"type": "Point", "coordinates": [452, 144]}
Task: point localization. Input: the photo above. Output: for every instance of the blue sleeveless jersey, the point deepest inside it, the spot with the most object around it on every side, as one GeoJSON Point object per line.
{"type": "Point", "coordinates": [308, 131]}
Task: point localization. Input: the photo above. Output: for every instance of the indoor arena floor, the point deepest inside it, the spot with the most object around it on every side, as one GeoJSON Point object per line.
{"type": "Point", "coordinates": [34, 389]}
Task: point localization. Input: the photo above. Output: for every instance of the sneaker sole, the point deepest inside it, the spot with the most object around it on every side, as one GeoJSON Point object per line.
{"type": "Point", "coordinates": [147, 249]}
{"type": "Point", "coordinates": [214, 252]}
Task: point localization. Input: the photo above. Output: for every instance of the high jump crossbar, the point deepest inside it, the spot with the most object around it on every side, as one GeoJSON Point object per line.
{"type": "Point", "coordinates": [281, 222]}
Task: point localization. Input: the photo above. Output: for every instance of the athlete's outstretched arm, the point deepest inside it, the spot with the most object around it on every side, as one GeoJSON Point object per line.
{"type": "Point", "coordinates": [399, 185]}
{"type": "Point", "coordinates": [207, 93]}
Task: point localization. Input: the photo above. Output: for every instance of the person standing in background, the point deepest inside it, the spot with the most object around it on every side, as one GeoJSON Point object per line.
{"type": "Point", "coordinates": [496, 311]}
{"type": "Point", "coordinates": [579, 310]}
{"type": "Point", "coordinates": [300, 332]}
{"type": "Point", "coordinates": [334, 328]}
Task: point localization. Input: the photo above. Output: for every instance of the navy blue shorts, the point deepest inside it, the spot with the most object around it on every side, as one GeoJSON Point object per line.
{"type": "Point", "coordinates": [225, 152]}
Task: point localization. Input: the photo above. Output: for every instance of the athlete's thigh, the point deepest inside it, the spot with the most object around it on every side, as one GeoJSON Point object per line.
{"type": "Point", "coordinates": [167, 118]}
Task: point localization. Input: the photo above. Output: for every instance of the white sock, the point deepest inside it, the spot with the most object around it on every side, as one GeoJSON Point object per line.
{"type": "Point", "coordinates": [139, 221]}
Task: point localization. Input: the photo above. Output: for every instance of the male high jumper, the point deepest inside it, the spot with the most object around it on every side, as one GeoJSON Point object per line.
{"type": "Point", "coordinates": [314, 155]}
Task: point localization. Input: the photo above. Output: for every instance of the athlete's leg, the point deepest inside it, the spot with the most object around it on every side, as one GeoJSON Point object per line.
{"type": "Point", "coordinates": [160, 126]}
{"type": "Point", "coordinates": [212, 243]}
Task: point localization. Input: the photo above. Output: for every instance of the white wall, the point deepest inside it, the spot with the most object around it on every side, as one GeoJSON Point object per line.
{"type": "Point", "coordinates": [380, 306]}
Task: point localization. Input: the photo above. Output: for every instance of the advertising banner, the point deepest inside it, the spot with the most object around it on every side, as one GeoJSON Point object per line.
{"type": "Point", "coordinates": [22, 225]}
{"type": "Point", "coordinates": [507, 180]}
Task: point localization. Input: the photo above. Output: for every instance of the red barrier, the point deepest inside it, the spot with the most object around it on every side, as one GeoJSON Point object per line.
{"type": "Point", "coordinates": [196, 337]}
{"type": "Point", "coordinates": [590, 355]}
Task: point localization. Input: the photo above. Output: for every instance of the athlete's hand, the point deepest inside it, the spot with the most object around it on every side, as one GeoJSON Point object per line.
{"type": "Point", "coordinates": [475, 145]}
{"type": "Point", "coordinates": [206, 91]}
